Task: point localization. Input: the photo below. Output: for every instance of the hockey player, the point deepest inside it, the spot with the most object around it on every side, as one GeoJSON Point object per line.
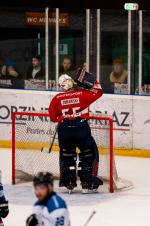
{"type": "Point", "coordinates": [70, 110]}
{"type": "Point", "coordinates": [50, 209]}
{"type": "Point", "coordinates": [4, 210]}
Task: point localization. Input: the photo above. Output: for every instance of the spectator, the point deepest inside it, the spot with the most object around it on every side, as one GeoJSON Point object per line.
{"type": "Point", "coordinates": [10, 77]}
{"type": "Point", "coordinates": [84, 66]}
{"type": "Point", "coordinates": [67, 66]}
{"type": "Point", "coordinates": [9, 70]}
{"type": "Point", "coordinates": [2, 62]}
{"type": "Point", "coordinates": [35, 71]}
{"type": "Point", "coordinates": [119, 74]}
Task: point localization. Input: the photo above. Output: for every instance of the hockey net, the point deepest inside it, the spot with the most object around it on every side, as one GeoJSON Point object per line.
{"type": "Point", "coordinates": [31, 132]}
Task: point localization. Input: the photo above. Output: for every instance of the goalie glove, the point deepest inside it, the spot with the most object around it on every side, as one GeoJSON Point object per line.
{"type": "Point", "coordinates": [4, 210]}
{"type": "Point", "coordinates": [85, 79]}
{"type": "Point", "coordinates": [32, 221]}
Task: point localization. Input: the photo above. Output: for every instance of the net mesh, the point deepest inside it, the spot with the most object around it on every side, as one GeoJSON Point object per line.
{"type": "Point", "coordinates": [32, 133]}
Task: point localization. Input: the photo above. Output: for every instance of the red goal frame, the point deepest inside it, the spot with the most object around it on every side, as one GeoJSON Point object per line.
{"type": "Point", "coordinates": [14, 114]}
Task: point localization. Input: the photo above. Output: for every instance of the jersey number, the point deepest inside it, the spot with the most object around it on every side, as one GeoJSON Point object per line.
{"type": "Point", "coordinates": [74, 111]}
{"type": "Point", "coordinates": [60, 221]}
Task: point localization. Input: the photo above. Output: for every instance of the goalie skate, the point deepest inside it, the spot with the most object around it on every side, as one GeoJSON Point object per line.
{"type": "Point", "coordinates": [91, 188]}
{"type": "Point", "coordinates": [88, 189]}
{"type": "Point", "coordinates": [70, 187]}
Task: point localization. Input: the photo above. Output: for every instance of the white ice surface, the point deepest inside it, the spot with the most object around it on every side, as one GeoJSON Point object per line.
{"type": "Point", "coordinates": [122, 208]}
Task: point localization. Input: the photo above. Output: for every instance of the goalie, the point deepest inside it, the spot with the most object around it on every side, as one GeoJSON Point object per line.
{"type": "Point", "coordinates": [70, 110]}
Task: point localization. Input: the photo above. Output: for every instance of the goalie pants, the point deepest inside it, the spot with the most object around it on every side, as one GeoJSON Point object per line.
{"type": "Point", "coordinates": [73, 134]}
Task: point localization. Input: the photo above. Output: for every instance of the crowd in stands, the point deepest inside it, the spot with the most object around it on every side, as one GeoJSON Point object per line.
{"type": "Point", "coordinates": [36, 71]}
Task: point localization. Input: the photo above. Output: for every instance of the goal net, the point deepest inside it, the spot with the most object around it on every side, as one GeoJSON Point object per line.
{"type": "Point", "coordinates": [32, 131]}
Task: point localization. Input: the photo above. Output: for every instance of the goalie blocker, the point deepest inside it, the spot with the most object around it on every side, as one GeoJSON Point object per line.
{"type": "Point", "coordinates": [85, 79]}
{"type": "Point", "coordinates": [70, 110]}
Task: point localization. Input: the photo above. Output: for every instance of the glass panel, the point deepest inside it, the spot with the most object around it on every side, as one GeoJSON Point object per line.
{"type": "Point", "coordinates": [146, 54]}
{"type": "Point", "coordinates": [22, 48]}
{"type": "Point", "coordinates": [72, 49]}
{"type": "Point", "coordinates": [52, 55]}
{"type": "Point", "coordinates": [93, 47]}
{"type": "Point", "coordinates": [114, 43]}
{"type": "Point", "coordinates": [134, 51]}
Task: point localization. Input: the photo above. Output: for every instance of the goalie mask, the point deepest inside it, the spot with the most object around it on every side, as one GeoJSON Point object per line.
{"type": "Point", "coordinates": [65, 82]}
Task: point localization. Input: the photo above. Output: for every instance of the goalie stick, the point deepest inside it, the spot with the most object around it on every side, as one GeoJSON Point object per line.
{"type": "Point", "coordinates": [90, 217]}
{"type": "Point", "coordinates": [48, 150]}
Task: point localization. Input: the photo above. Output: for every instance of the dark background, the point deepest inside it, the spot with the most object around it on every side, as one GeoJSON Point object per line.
{"type": "Point", "coordinates": [102, 4]}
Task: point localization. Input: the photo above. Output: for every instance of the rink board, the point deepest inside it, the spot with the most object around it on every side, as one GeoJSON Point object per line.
{"type": "Point", "coordinates": [118, 151]}
{"type": "Point", "coordinates": [131, 121]}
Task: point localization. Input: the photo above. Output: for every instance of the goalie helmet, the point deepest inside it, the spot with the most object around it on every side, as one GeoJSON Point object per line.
{"type": "Point", "coordinates": [43, 178]}
{"type": "Point", "coordinates": [65, 82]}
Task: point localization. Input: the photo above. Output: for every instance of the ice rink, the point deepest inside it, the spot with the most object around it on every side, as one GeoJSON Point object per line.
{"type": "Point", "coordinates": [123, 208]}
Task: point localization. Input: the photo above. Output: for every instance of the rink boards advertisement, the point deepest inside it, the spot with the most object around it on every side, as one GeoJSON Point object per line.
{"type": "Point", "coordinates": [131, 116]}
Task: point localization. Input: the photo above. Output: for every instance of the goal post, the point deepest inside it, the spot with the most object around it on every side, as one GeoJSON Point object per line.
{"type": "Point", "coordinates": [111, 152]}
{"type": "Point", "coordinates": [31, 131]}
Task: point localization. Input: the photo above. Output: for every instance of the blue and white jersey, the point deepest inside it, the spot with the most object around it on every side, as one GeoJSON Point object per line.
{"type": "Point", "coordinates": [2, 197]}
{"type": "Point", "coordinates": [2, 200]}
{"type": "Point", "coordinates": [52, 212]}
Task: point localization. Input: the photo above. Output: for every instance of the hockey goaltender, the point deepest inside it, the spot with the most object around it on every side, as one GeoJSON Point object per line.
{"type": "Point", "coordinates": [70, 110]}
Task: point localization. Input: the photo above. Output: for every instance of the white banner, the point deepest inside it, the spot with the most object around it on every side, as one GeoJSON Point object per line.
{"type": "Point", "coordinates": [131, 114]}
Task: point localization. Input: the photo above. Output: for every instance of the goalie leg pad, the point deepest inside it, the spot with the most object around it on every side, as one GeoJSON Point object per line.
{"type": "Point", "coordinates": [88, 165]}
{"type": "Point", "coordinates": [85, 172]}
{"type": "Point", "coordinates": [85, 165]}
{"type": "Point", "coordinates": [68, 159]}
{"type": "Point", "coordinates": [68, 156]}
{"type": "Point", "coordinates": [90, 144]}
{"type": "Point", "coordinates": [96, 157]}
